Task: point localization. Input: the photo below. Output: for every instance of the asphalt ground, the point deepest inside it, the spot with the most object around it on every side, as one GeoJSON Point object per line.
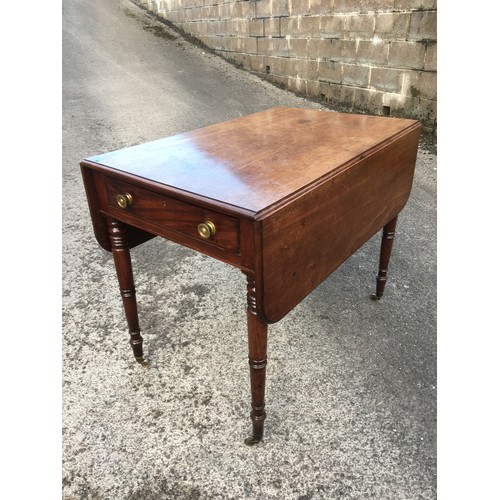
{"type": "Point", "coordinates": [351, 392]}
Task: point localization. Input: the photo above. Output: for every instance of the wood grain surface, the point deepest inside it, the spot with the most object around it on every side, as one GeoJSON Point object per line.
{"type": "Point", "coordinates": [258, 160]}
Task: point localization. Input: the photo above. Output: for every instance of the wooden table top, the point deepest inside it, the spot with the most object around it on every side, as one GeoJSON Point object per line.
{"type": "Point", "coordinates": [259, 160]}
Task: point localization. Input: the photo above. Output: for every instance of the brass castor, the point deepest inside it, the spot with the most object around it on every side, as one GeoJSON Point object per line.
{"type": "Point", "coordinates": [142, 361]}
{"type": "Point", "coordinates": [252, 440]}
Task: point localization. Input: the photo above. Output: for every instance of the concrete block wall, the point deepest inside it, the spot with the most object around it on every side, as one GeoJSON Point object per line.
{"type": "Point", "coordinates": [370, 56]}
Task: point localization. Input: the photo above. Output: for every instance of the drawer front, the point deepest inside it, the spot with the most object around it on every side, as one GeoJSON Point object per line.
{"type": "Point", "coordinates": [175, 215]}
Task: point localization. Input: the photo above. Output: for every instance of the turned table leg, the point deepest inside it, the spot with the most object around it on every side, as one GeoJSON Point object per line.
{"type": "Point", "coordinates": [257, 358]}
{"type": "Point", "coordinates": [385, 254]}
{"type": "Point", "coordinates": [121, 254]}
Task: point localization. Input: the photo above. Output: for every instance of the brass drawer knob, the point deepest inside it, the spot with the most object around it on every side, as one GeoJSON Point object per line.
{"type": "Point", "coordinates": [206, 229]}
{"type": "Point", "coordinates": [124, 200]}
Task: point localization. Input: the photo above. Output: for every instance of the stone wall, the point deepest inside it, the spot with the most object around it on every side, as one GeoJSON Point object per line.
{"type": "Point", "coordinates": [370, 56]}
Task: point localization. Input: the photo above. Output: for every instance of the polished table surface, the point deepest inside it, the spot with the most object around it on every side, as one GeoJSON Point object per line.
{"type": "Point", "coordinates": [286, 195]}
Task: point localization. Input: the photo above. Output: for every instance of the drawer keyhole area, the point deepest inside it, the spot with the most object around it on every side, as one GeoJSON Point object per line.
{"type": "Point", "coordinates": [207, 229]}
{"type": "Point", "coordinates": [124, 200]}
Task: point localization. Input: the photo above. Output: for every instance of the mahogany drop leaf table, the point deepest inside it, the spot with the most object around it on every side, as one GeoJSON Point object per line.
{"type": "Point", "coordinates": [286, 195]}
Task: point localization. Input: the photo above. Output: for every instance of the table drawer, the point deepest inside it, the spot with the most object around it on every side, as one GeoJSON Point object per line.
{"type": "Point", "coordinates": [190, 220]}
